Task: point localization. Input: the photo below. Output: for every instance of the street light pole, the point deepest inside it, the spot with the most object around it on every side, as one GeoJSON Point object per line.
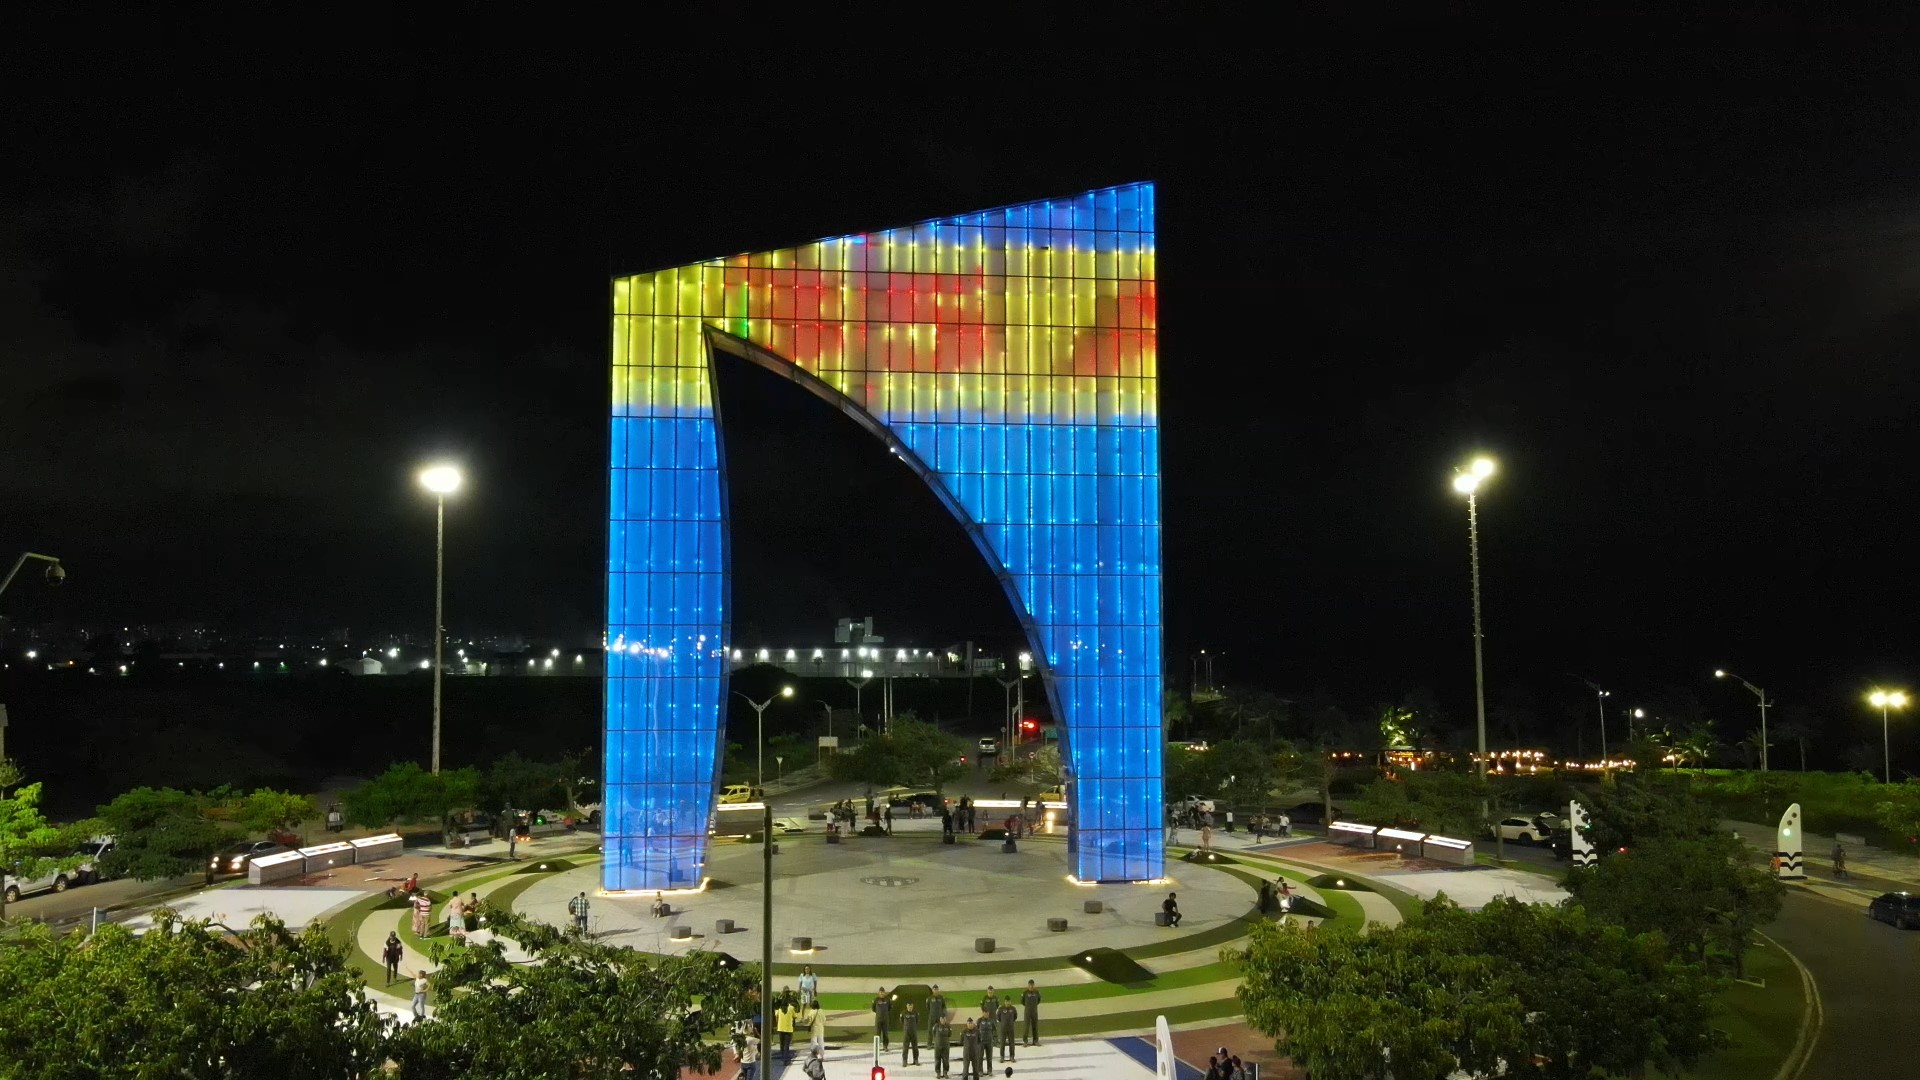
{"type": "Point", "coordinates": [1600, 698]}
{"type": "Point", "coordinates": [55, 572]}
{"type": "Point", "coordinates": [1467, 481]}
{"type": "Point", "coordinates": [1885, 700]}
{"type": "Point", "coordinates": [766, 857]}
{"type": "Point", "coordinates": [1764, 703]}
{"type": "Point", "coordinates": [442, 480]}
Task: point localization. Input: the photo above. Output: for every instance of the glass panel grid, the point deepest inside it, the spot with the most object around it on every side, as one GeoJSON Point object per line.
{"type": "Point", "coordinates": [1014, 351]}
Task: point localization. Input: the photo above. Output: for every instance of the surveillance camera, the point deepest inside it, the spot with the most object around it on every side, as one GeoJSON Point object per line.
{"type": "Point", "coordinates": [56, 574]}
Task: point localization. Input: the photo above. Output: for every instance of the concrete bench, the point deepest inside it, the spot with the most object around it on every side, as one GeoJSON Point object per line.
{"type": "Point", "coordinates": [1161, 918]}
{"type": "Point", "coordinates": [802, 944]}
{"type": "Point", "coordinates": [1057, 925]}
{"type": "Point", "coordinates": [1093, 907]}
{"type": "Point", "coordinates": [983, 944]}
{"type": "Point", "coordinates": [723, 926]}
{"type": "Point", "coordinates": [680, 933]}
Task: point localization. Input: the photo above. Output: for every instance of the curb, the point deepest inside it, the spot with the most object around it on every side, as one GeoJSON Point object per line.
{"type": "Point", "coordinates": [1813, 1017]}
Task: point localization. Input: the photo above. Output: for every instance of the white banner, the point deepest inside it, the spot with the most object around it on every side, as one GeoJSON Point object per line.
{"type": "Point", "coordinates": [1579, 843]}
{"type": "Point", "coordinates": [1788, 847]}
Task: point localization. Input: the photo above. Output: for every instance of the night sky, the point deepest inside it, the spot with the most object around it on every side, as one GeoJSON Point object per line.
{"type": "Point", "coordinates": [1668, 272]}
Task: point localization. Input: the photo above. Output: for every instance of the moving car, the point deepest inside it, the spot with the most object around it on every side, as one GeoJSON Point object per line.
{"type": "Point", "coordinates": [1901, 909]}
{"type": "Point", "coordinates": [739, 793]}
{"type": "Point", "coordinates": [235, 858]}
{"type": "Point", "coordinates": [989, 747]}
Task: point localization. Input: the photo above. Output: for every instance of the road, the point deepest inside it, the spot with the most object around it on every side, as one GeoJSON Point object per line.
{"type": "Point", "coordinates": [75, 906]}
{"type": "Point", "coordinates": [1867, 974]}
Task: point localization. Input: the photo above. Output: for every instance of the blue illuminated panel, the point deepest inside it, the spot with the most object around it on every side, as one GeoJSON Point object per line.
{"type": "Point", "coordinates": [1010, 356]}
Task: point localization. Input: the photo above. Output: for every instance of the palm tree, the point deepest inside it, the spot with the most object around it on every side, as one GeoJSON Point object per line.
{"type": "Point", "coordinates": [1794, 731]}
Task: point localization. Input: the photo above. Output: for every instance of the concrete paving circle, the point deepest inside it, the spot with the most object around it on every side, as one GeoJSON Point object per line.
{"type": "Point", "coordinates": [900, 900]}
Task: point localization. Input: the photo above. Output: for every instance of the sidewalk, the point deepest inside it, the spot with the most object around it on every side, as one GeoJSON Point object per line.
{"type": "Point", "coordinates": [1868, 868]}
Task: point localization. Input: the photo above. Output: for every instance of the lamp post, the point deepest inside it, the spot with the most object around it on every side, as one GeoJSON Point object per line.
{"type": "Point", "coordinates": [1600, 698]}
{"type": "Point", "coordinates": [766, 857]}
{"type": "Point", "coordinates": [1632, 715]}
{"type": "Point", "coordinates": [1885, 700]}
{"type": "Point", "coordinates": [443, 480]}
{"type": "Point", "coordinates": [55, 572]}
{"type": "Point", "coordinates": [866, 676]}
{"type": "Point", "coordinates": [1467, 481]}
{"type": "Point", "coordinates": [1764, 704]}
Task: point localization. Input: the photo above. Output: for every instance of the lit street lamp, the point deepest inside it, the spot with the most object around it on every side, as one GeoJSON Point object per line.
{"type": "Point", "coordinates": [1467, 482]}
{"type": "Point", "coordinates": [760, 731]}
{"type": "Point", "coordinates": [1764, 704]}
{"type": "Point", "coordinates": [1885, 700]}
{"type": "Point", "coordinates": [1636, 714]}
{"type": "Point", "coordinates": [443, 480]}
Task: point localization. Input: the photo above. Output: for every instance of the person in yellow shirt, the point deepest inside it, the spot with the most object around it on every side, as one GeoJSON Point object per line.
{"type": "Point", "coordinates": [783, 1025]}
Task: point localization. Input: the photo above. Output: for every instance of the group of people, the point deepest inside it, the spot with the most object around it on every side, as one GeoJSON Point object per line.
{"type": "Point", "coordinates": [1001, 1021]}
{"type": "Point", "coordinates": [1225, 1066]}
{"type": "Point", "coordinates": [1276, 897]}
{"type": "Point", "coordinates": [1277, 824]}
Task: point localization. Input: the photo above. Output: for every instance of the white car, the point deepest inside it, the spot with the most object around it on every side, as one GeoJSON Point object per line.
{"type": "Point", "coordinates": [1524, 830]}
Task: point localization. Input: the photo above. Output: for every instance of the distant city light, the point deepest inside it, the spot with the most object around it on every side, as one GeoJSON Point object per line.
{"type": "Point", "coordinates": [392, 653]}
{"type": "Point", "coordinates": [33, 654]}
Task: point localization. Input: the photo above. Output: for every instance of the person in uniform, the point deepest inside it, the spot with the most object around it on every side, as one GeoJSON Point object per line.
{"type": "Point", "coordinates": [941, 1034]}
{"type": "Point", "coordinates": [969, 1050]}
{"type": "Point", "coordinates": [909, 1037]}
{"type": "Point", "coordinates": [1030, 1003]}
{"type": "Point", "coordinates": [1008, 1019]}
{"type": "Point", "coordinates": [882, 1017]}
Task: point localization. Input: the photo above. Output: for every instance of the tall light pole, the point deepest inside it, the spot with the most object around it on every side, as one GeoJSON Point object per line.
{"type": "Point", "coordinates": [1885, 700]}
{"type": "Point", "coordinates": [1764, 704]}
{"type": "Point", "coordinates": [1600, 698]}
{"type": "Point", "coordinates": [443, 480]}
{"type": "Point", "coordinates": [766, 856]}
{"type": "Point", "coordinates": [1467, 481]}
{"type": "Point", "coordinates": [859, 684]}
{"type": "Point", "coordinates": [1632, 715]}
{"type": "Point", "coordinates": [55, 572]}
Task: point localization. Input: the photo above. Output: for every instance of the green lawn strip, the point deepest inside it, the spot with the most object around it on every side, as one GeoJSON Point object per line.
{"type": "Point", "coordinates": [893, 973]}
{"type": "Point", "coordinates": [1172, 980]}
{"type": "Point", "coordinates": [344, 929]}
{"type": "Point", "coordinates": [1762, 1023]}
{"type": "Point", "coordinates": [1344, 906]}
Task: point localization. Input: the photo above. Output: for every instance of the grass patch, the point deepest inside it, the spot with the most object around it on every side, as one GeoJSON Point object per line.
{"type": "Point", "coordinates": [1113, 966]}
{"type": "Point", "coordinates": [546, 866]}
{"type": "Point", "coordinates": [1346, 882]}
{"type": "Point", "coordinates": [1762, 1022]}
{"type": "Point", "coordinates": [1553, 873]}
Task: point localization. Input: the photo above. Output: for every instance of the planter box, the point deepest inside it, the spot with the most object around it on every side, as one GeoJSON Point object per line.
{"type": "Point", "coordinates": [268, 869]}
{"type": "Point", "coordinates": [327, 856]}
{"type": "Point", "coordinates": [374, 848]}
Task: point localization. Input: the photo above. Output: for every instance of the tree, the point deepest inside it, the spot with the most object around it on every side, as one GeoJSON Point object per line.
{"type": "Point", "coordinates": [585, 1011]}
{"type": "Point", "coordinates": [406, 793]}
{"type": "Point", "coordinates": [513, 782]}
{"type": "Point", "coordinates": [1639, 808]}
{"type": "Point", "coordinates": [1434, 802]}
{"type": "Point", "coordinates": [159, 833]}
{"type": "Point", "coordinates": [261, 811]}
{"type": "Point", "coordinates": [27, 840]}
{"type": "Point", "coordinates": [1697, 892]}
{"type": "Point", "coordinates": [1515, 989]}
{"type": "Point", "coordinates": [1795, 727]}
{"type": "Point", "coordinates": [187, 998]}
{"type": "Point", "coordinates": [913, 752]}
{"type": "Point", "coordinates": [1899, 808]}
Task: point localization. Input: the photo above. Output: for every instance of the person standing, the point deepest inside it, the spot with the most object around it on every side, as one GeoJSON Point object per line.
{"type": "Point", "coordinates": [1008, 1019]}
{"type": "Point", "coordinates": [419, 995]}
{"type": "Point", "coordinates": [422, 913]}
{"type": "Point", "coordinates": [749, 1054]}
{"type": "Point", "coordinates": [1839, 860]}
{"type": "Point", "coordinates": [391, 953]}
{"type": "Point", "coordinates": [909, 1037]}
{"type": "Point", "coordinates": [783, 1027]}
{"type": "Point", "coordinates": [817, 1029]}
{"type": "Point", "coordinates": [1171, 906]}
{"type": "Point", "coordinates": [1030, 1002]}
{"type": "Point", "coordinates": [513, 839]}
{"type": "Point", "coordinates": [969, 1052]}
{"type": "Point", "coordinates": [946, 822]}
{"type": "Point", "coordinates": [1286, 824]}
{"type": "Point", "coordinates": [1266, 898]}
{"type": "Point", "coordinates": [986, 1032]}
{"type": "Point", "coordinates": [936, 1005]}
{"type": "Point", "coordinates": [990, 1001]}
{"type": "Point", "coordinates": [882, 1015]}
{"type": "Point", "coordinates": [577, 907]}
{"type": "Point", "coordinates": [809, 986]}
{"type": "Point", "coordinates": [457, 918]}
{"type": "Point", "coordinates": [940, 1034]}
{"type": "Point", "coordinates": [889, 819]}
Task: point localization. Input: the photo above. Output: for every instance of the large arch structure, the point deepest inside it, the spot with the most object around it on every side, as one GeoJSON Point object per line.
{"type": "Point", "coordinates": [1009, 357]}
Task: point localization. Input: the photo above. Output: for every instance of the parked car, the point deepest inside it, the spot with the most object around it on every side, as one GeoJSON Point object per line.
{"type": "Point", "coordinates": [589, 813]}
{"type": "Point", "coordinates": [1525, 830]}
{"type": "Point", "coordinates": [93, 851]}
{"type": "Point", "coordinates": [58, 881]}
{"type": "Point", "coordinates": [1901, 909]}
{"type": "Point", "coordinates": [235, 858]}
{"type": "Point", "coordinates": [989, 747]}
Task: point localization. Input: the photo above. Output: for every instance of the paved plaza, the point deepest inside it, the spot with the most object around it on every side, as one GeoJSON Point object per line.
{"type": "Point", "coordinates": [902, 899]}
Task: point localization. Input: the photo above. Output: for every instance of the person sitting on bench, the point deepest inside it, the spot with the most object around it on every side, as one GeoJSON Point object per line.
{"type": "Point", "coordinates": [1172, 909]}
{"type": "Point", "coordinates": [661, 909]}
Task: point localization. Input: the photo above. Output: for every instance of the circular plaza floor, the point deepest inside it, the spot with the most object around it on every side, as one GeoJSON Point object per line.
{"type": "Point", "coordinates": [900, 900]}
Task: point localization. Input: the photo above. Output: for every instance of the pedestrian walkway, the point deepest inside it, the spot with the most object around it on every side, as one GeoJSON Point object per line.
{"type": "Point", "coordinates": [1868, 867]}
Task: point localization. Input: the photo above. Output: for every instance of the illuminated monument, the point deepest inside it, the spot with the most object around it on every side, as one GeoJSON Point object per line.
{"type": "Point", "coordinates": [1009, 358]}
